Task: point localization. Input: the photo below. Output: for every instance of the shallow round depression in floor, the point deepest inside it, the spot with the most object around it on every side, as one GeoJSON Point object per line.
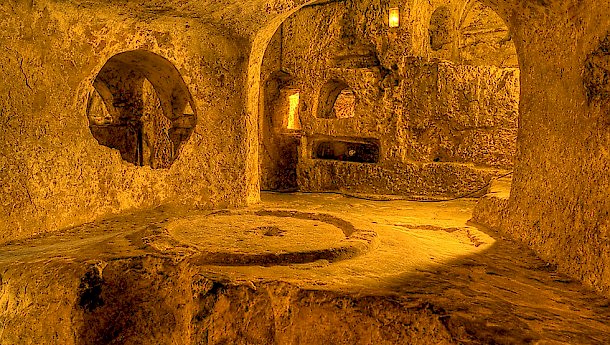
{"type": "Point", "coordinates": [268, 237]}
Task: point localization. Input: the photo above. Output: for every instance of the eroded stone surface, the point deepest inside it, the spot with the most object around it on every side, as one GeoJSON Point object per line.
{"type": "Point", "coordinates": [53, 174]}
{"type": "Point", "coordinates": [559, 199]}
{"type": "Point", "coordinates": [431, 279]}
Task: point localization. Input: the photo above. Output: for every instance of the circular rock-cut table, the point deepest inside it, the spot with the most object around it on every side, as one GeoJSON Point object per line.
{"type": "Point", "coordinates": [262, 237]}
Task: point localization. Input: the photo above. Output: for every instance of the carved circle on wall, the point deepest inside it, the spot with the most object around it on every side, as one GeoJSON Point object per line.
{"type": "Point", "coordinates": [141, 107]}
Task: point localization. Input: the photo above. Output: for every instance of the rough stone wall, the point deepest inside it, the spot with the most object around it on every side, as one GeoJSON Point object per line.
{"type": "Point", "coordinates": [162, 302]}
{"type": "Point", "coordinates": [559, 201]}
{"type": "Point", "coordinates": [460, 113]}
{"type": "Point", "coordinates": [53, 173]}
{"type": "Point", "coordinates": [422, 110]}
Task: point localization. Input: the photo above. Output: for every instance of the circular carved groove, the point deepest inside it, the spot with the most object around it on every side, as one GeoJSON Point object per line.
{"type": "Point", "coordinates": [264, 238]}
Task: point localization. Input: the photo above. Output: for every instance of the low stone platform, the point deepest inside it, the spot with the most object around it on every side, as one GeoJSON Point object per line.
{"type": "Point", "coordinates": [491, 208]}
{"type": "Point", "coordinates": [296, 269]}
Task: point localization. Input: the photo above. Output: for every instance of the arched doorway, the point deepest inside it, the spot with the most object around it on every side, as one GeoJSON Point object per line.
{"type": "Point", "coordinates": [436, 98]}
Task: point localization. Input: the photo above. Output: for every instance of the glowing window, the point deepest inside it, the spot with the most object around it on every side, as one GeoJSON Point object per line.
{"type": "Point", "coordinates": [394, 17]}
{"type": "Point", "coordinates": [293, 111]}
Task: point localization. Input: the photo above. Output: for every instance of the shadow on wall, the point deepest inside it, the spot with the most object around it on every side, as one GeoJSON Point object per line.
{"type": "Point", "coordinates": [141, 107]}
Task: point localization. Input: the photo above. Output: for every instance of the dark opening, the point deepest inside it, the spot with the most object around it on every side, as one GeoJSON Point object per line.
{"type": "Point", "coordinates": [348, 150]}
{"type": "Point", "coordinates": [141, 107]}
{"type": "Point", "coordinates": [337, 100]}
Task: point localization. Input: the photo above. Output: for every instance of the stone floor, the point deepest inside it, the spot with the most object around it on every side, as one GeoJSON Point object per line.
{"type": "Point", "coordinates": [295, 269]}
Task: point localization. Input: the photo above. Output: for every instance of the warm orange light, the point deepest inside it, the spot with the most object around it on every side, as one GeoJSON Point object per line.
{"type": "Point", "coordinates": [293, 112]}
{"type": "Point", "coordinates": [394, 17]}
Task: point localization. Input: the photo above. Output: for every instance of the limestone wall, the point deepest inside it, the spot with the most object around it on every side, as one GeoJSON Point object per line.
{"type": "Point", "coordinates": [559, 202]}
{"type": "Point", "coordinates": [53, 173]}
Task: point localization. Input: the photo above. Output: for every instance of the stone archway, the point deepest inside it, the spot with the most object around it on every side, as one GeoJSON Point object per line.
{"type": "Point", "coordinates": [387, 60]}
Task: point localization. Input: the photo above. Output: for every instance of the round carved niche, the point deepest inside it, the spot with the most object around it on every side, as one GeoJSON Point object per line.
{"type": "Point", "coordinates": [142, 108]}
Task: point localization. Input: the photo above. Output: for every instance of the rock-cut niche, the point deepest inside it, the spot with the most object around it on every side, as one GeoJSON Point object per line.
{"type": "Point", "coordinates": [142, 108]}
{"type": "Point", "coordinates": [337, 101]}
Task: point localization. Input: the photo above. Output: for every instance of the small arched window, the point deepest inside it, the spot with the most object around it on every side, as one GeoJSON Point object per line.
{"type": "Point", "coordinates": [142, 108]}
{"type": "Point", "coordinates": [337, 101]}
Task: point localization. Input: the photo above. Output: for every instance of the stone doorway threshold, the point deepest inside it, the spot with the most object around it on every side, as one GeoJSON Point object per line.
{"type": "Point", "coordinates": [295, 269]}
